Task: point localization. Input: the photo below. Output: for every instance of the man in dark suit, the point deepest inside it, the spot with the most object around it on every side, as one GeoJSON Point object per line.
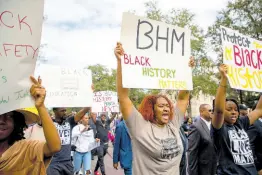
{"type": "Point", "coordinates": [123, 149]}
{"type": "Point", "coordinates": [201, 152]}
{"type": "Point", "coordinates": [255, 137]}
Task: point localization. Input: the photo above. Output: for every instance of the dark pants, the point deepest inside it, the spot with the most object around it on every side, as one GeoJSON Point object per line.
{"type": "Point", "coordinates": [101, 152]}
{"type": "Point", "coordinates": [60, 168]}
{"type": "Point", "coordinates": [128, 171]}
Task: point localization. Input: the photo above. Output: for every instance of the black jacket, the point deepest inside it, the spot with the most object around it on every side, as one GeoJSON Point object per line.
{"type": "Point", "coordinates": [255, 137]}
{"type": "Point", "coordinates": [202, 159]}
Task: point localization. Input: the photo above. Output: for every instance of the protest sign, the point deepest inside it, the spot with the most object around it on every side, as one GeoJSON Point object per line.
{"type": "Point", "coordinates": [20, 33]}
{"type": "Point", "coordinates": [66, 86]}
{"type": "Point", "coordinates": [105, 101]}
{"type": "Point", "coordinates": [156, 54]}
{"type": "Point", "coordinates": [243, 55]}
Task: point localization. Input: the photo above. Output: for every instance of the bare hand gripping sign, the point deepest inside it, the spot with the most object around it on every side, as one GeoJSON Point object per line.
{"type": "Point", "coordinates": [156, 54]}
{"type": "Point", "coordinates": [20, 33]}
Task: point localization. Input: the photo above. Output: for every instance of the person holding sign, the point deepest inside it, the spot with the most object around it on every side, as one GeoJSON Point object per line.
{"type": "Point", "coordinates": [228, 131]}
{"type": "Point", "coordinates": [154, 129]}
{"type": "Point", "coordinates": [61, 163]}
{"type": "Point", "coordinates": [19, 156]}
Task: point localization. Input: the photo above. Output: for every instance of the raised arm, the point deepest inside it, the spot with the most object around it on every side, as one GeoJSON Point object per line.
{"type": "Point", "coordinates": [124, 101]}
{"type": "Point", "coordinates": [183, 95]}
{"type": "Point", "coordinates": [81, 113]}
{"type": "Point", "coordinates": [53, 143]}
{"type": "Point", "coordinates": [182, 101]}
{"type": "Point", "coordinates": [114, 114]}
{"type": "Point", "coordinates": [220, 101]}
{"type": "Point", "coordinates": [254, 115]}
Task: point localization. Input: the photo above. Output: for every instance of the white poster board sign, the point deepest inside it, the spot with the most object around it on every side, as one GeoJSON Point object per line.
{"type": "Point", "coordinates": [156, 54]}
{"type": "Point", "coordinates": [243, 55]}
{"type": "Point", "coordinates": [20, 34]}
{"type": "Point", "coordinates": [66, 87]}
{"type": "Point", "coordinates": [105, 101]}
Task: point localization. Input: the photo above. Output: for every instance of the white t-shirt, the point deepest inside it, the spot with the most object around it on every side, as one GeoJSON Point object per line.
{"type": "Point", "coordinates": [35, 132]}
{"type": "Point", "coordinates": [85, 141]}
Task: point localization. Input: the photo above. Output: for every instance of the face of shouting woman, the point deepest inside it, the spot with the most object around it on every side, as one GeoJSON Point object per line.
{"type": "Point", "coordinates": [162, 111]}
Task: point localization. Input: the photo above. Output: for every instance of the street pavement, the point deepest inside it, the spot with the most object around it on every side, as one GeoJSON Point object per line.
{"type": "Point", "coordinates": [108, 164]}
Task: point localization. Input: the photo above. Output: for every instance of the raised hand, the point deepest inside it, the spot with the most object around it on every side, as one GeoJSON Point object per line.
{"type": "Point", "coordinates": [119, 51]}
{"type": "Point", "coordinates": [223, 70]}
{"type": "Point", "coordinates": [38, 92]}
{"type": "Point", "coordinates": [93, 87]}
{"type": "Point", "coordinates": [192, 62]}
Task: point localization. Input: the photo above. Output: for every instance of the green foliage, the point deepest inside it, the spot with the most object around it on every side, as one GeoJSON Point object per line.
{"type": "Point", "coordinates": [241, 15]}
{"type": "Point", "coordinates": [245, 17]}
{"type": "Point", "coordinates": [103, 78]}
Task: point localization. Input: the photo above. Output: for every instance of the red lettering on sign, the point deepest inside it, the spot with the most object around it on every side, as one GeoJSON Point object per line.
{"type": "Point", "coordinates": [21, 21]}
{"type": "Point", "coordinates": [137, 60]}
{"type": "Point", "coordinates": [5, 49]}
{"type": "Point", "coordinates": [6, 20]}
{"type": "Point", "coordinates": [18, 50]}
{"type": "Point", "coordinates": [247, 57]}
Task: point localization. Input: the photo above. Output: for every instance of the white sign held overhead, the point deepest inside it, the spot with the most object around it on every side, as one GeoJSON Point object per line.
{"type": "Point", "coordinates": [105, 101]}
{"type": "Point", "coordinates": [156, 54]}
{"type": "Point", "coordinates": [66, 86]}
{"type": "Point", "coordinates": [20, 34]}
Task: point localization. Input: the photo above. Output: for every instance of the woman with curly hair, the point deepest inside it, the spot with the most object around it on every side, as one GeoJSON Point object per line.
{"type": "Point", "coordinates": [229, 132]}
{"type": "Point", "coordinates": [154, 128]}
{"type": "Point", "coordinates": [19, 156]}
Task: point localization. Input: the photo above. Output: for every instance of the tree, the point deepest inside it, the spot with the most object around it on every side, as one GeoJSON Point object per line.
{"type": "Point", "coordinates": [104, 79]}
{"type": "Point", "coordinates": [245, 17]}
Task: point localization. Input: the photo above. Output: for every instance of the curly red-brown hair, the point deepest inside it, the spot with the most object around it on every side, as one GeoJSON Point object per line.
{"type": "Point", "coordinates": [146, 107]}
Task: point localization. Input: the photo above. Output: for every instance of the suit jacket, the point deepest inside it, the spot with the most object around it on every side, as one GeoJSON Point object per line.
{"type": "Point", "coordinates": [255, 137]}
{"type": "Point", "coordinates": [183, 162]}
{"type": "Point", "coordinates": [122, 148]}
{"type": "Point", "coordinates": [202, 159]}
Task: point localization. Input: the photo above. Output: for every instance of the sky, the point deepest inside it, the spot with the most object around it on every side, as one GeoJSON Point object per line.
{"type": "Point", "coordinates": [84, 32]}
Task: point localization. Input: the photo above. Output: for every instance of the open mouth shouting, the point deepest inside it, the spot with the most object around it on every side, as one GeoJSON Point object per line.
{"type": "Point", "coordinates": [165, 116]}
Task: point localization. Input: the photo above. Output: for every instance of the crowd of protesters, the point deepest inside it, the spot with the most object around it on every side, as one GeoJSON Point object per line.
{"type": "Point", "coordinates": [154, 139]}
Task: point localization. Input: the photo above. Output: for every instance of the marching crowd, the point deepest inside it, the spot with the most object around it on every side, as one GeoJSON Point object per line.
{"type": "Point", "coordinates": [151, 140]}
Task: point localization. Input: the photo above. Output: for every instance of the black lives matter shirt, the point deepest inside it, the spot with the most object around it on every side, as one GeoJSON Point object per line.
{"type": "Point", "coordinates": [233, 148]}
{"type": "Point", "coordinates": [65, 133]}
